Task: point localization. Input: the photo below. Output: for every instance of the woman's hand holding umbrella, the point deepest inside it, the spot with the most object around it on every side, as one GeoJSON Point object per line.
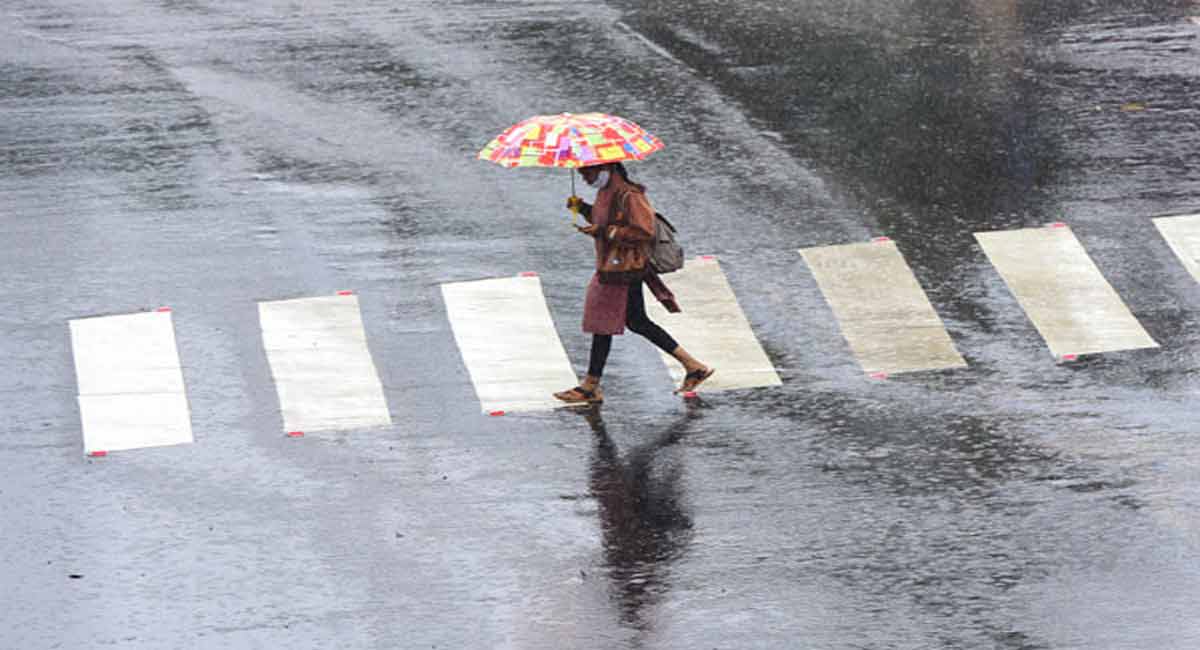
{"type": "Point", "coordinates": [577, 206]}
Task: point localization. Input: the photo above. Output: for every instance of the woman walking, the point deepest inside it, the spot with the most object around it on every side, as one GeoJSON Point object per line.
{"type": "Point", "coordinates": [621, 222]}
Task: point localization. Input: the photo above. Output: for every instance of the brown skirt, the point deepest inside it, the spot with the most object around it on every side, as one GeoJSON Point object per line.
{"type": "Point", "coordinates": [604, 307]}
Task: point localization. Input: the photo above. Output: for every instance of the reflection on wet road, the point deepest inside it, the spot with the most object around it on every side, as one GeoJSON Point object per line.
{"type": "Point", "coordinates": [644, 522]}
{"type": "Point", "coordinates": [213, 155]}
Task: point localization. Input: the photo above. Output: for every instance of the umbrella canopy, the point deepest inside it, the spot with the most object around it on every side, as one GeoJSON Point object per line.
{"type": "Point", "coordinates": [570, 141]}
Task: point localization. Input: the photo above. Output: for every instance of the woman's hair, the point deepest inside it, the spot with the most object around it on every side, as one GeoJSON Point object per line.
{"type": "Point", "coordinates": [625, 175]}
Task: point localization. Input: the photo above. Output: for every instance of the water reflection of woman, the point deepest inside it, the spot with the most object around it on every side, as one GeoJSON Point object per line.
{"type": "Point", "coordinates": [644, 524]}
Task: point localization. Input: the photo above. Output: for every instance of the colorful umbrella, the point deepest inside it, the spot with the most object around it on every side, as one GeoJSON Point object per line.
{"type": "Point", "coordinates": [570, 141]}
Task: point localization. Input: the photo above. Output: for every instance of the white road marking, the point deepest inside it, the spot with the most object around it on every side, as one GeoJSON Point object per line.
{"type": "Point", "coordinates": [882, 310]}
{"type": "Point", "coordinates": [1059, 287]}
{"type": "Point", "coordinates": [131, 391]}
{"type": "Point", "coordinates": [508, 343]}
{"type": "Point", "coordinates": [323, 370]}
{"type": "Point", "coordinates": [1183, 236]}
{"type": "Point", "coordinates": [712, 328]}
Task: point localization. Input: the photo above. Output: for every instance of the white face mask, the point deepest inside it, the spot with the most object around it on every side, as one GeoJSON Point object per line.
{"type": "Point", "coordinates": [601, 180]}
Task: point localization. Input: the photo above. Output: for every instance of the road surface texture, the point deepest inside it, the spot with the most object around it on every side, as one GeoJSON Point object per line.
{"type": "Point", "coordinates": [209, 155]}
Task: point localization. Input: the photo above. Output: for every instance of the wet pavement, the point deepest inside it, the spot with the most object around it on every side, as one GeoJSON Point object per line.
{"type": "Point", "coordinates": [208, 155]}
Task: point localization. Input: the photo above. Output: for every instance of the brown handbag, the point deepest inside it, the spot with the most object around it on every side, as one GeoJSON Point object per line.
{"type": "Point", "coordinates": [623, 265]}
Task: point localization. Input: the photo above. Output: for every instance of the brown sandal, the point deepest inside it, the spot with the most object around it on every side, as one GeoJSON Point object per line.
{"type": "Point", "coordinates": [581, 395]}
{"type": "Point", "coordinates": [694, 379]}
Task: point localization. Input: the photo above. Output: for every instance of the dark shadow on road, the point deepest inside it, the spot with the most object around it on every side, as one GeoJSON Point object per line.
{"type": "Point", "coordinates": [644, 521]}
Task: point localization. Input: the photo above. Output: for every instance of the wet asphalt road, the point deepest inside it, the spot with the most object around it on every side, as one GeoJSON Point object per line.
{"type": "Point", "coordinates": [207, 155]}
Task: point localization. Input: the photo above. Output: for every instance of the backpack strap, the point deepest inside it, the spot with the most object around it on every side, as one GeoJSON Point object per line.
{"type": "Point", "coordinates": [664, 220]}
{"type": "Point", "coordinates": [622, 201]}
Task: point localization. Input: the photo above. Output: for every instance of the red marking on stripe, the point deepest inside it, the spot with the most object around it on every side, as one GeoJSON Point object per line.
{"type": "Point", "coordinates": [881, 239]}
{"type": "Point", "coordinates": [295, 434]}
{"type": "Point", "coordinates": [708, 257]}
{"type": "Point", "coordinates": [690, 394]}
{"type": "Point", "coordinates": [528, 274]}
{"type": "Point", "coordinates": [98, 454]}
{"type": "Point", "coordinates": [1056, 224]}
{"type": "Point", "coordinates": [345, 293]}
{"type": "Point", "coordinates": [1070, 357]}
{"type": "Point", "coordinates": [878, 375]}
{"type": "Point", "coordinates": [163, 309]}
{"type": "Point", "coordinates": [496, 413]}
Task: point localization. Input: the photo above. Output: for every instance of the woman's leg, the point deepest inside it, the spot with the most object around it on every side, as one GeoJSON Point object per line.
{"type": "Point", "coordinates": [601, 344]}
{"type": "Point", "coordinates": [639, 323]}
{"type": "Point", "coordinates": [588, 390]}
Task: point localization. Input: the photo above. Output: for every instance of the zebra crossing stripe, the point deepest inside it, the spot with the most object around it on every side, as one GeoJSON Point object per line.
{"type": "Point", "coordinates": [323, 371]}
{"type": "Point", "coordinates": [712, 328]}
{"type": "Point", "coordinates": [1183, 236]}
{"type": "Point", "coordinates": [882, 310]}
{"type": "Point", "coordinates": [1070, 303]}
{"type": "Point", "coordinates": [131, 391]}
{"type": "Point", "coordinates": [508, 343]}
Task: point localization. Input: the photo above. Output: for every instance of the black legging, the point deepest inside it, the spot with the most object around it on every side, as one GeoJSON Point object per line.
{"type": "Point", "coordinates": [637, 322]}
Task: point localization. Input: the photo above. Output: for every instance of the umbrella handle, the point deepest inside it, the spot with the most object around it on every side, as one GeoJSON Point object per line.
{"type": "Point", "coordinates": [574, 212]}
